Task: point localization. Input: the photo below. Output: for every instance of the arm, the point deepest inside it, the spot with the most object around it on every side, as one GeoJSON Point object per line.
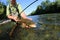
{"type": "Point", "coordinates": [12, 17]}
{"type": "Point", "coordinates": [23, 13]}
{"type": "Point", "coordinates": [25, 16]}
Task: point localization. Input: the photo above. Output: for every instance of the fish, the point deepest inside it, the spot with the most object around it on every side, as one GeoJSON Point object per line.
{"type": "Point", "coordinates": [28, 22]}
{"type": "Point", "coordinates": [20, 21]}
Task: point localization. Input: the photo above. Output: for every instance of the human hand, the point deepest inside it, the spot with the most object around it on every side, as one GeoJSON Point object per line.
{"type": "Point", "coordinates": [15, 18]}
{"type": "Point", "coordinates": [29, 18]}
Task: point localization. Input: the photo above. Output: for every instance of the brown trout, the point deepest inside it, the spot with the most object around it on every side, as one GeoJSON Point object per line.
{"type": "Point", "coordinates": [28, 22]}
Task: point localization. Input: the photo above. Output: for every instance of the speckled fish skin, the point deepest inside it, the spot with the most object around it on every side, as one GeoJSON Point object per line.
{"type": "Point", "coordinates": [28, 22]}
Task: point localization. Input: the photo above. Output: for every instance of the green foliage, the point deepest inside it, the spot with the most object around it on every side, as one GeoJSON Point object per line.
{"type": "Point", "coordinates": [2, 11]}
{"type": "Point", "coordinates": [58, 2]}
{"type": "Point", "coordinates": [45, 4]}
{"type": "Point", "coordinates": [1, 8]}
{"type": "Point", "coordinates": [47, 7]}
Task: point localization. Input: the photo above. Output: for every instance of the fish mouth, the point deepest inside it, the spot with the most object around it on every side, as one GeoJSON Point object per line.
{"type": "Point", "coordinates": [33, 25]}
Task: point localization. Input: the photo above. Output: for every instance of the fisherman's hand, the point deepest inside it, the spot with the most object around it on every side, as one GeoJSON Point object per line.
{"type": "Point", "coordinates": [15, 18]}
{"type": "Point", "coordinates": [30, 18]}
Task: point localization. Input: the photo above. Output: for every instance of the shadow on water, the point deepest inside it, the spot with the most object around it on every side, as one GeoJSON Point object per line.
{"type": "Point", "coordinates": [48, 28]}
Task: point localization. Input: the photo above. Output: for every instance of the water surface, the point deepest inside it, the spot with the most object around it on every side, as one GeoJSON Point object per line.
{"type": "Point", "coordinates": [48, 28]}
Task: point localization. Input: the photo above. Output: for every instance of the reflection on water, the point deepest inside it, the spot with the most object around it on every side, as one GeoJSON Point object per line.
{"type": "Point", "coordinates": [46, 19]}
{"type": "Point", "coordinates": [48, 28]}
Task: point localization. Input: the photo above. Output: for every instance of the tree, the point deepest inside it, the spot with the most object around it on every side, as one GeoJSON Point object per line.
{"type": "Point", "coordinates": [2, 11]}
{"type": "Point", "coordinates": [58, 2]}
{"type": "Point", "coordinates": [44, 4]}
{"type": "Point", "coordinates": [1, 8]}
{"type": "Point", "coordinates": [47, 7]}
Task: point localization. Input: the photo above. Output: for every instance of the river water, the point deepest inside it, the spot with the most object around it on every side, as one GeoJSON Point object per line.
{"type": "Point", "coordinates": [47, 19]}
{"type": "Point", "coordinates": [48, 28]}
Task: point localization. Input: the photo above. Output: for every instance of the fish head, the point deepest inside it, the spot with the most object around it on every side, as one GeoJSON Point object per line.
{"type": "Point", "coordinates": [32, 25]}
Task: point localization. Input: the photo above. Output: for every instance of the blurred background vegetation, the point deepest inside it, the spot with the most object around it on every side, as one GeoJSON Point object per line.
{"type": "Point", "coordinates": [47, 7]}
{"type": "Point", "coordinates": [2, 11]}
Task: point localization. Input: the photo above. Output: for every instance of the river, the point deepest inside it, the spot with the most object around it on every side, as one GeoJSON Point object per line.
{"type": "Point", "coordinates": [48, 28]}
